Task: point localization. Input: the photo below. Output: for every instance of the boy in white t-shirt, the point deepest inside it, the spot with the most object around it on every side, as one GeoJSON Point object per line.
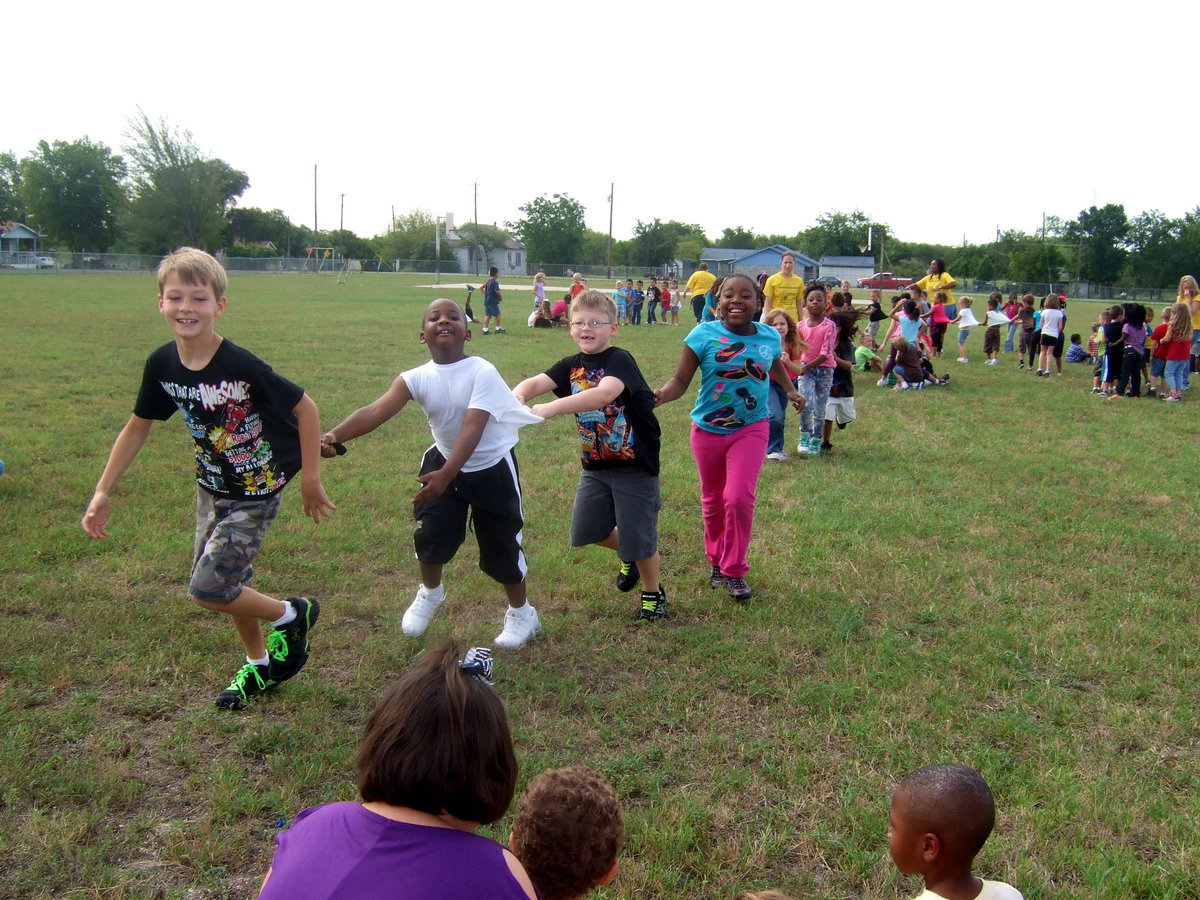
{"type": "Point", "coordinates": [469, 472]}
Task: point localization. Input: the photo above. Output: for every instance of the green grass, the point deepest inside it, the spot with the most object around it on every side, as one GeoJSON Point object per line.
{"type": "Point", "coordinates": [998, 573]}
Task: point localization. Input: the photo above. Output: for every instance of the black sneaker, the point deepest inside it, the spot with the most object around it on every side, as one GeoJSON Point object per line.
{"type": "Point", "coordinates": [288, 646]}
{"type": "Point", "coordinates": [654, 605]}
{"type": "Point", "coordinates": [627, 576]}
{"type": "Point", "coordinates": [248, 683]}
{"type": "Point", "coordinates": [715, 578]}
{"type": "Point", "coordinates": [738, 589]}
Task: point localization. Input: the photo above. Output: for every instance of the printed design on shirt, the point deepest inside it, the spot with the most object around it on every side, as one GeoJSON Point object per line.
{"type": "Point", "coordinates": [224, 424]}
{"type": "Point", "coordinates": [604, 434]}
{"type": "Point", "coordinates": [737, 366]}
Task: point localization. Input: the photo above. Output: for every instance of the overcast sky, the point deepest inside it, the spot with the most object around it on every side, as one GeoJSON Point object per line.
{"type": "Point", "coordinates": [943, 120]}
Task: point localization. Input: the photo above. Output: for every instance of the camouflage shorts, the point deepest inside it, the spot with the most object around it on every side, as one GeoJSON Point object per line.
{"type": "Point", "coordinates": [228, 535]}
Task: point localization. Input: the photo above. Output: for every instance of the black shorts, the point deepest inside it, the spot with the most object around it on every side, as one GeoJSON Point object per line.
{"type": "Point", "coordinates": [487, 500]}
{"type": "Point", "coordinates": [1049, 340]}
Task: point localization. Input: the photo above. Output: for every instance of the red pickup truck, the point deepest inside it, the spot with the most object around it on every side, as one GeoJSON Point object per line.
{"type": "Point", "coordinates": [884, 281]}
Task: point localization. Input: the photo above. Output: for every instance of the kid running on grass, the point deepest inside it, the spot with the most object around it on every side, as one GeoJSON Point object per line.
{"type": "Point", "coordinates": [840, 407]}
{"type": "Point", "coordinates": [254, 431]}
{"type": "Point", "coordinates": [940, 818]}
{"type": "Point", "coordinates": [617, 500]}
{"type": "Point", "coordinates": [469, 474]}
{"type": "Point", "coordinates": [735, 356]}
{"type": "Point", "coordinates": [816, 371]}
{"type": "Point", "coordinates": [793, 353]}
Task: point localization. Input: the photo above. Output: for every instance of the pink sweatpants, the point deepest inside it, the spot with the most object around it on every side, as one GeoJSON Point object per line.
{"type": "Point", "coordinates": [729, 465]}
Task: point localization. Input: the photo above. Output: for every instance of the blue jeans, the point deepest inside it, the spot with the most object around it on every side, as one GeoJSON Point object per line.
{"type": "Point", "coordinates": [1008, 341]}
{"type": "Point", "coordinates": [1177, 374]}
{"type": "Point", "coordinates": [777, 402]}
{"type": "Point", "coordinates": [814, 387]}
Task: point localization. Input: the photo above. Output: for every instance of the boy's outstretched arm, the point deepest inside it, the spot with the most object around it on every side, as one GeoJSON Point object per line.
{"type": "Point", "coordinates": [596, 397]}
{"type": "Point", "coordinates": [312, 492]}
{"type": "Point", "coordinates": [366, 419]}
{"type": "Point", "coordinates": [435, 483]}
{"type": "Point", "coordinates": [124, 450]}
{"type": "Point", "coordinates": [533, 386]}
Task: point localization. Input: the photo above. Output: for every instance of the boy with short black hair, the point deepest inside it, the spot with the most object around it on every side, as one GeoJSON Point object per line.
{"type": "Point", "coordinates": [939, 820]}
{"type": "Point", "coordinates": [636, 299]}
{"type": "Point", "coordinates": [568, 832]}
{"type": "Point", "coordinates": [470, 472]}
{"type": "Point", "coordinates": [491, 300]}
{"type": "Point", "coordinates": [617, 500]}
{"type": "Point", "coordinates": [254, 431]}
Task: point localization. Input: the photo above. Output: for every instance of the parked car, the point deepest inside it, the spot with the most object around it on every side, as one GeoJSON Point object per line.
{"type": "Point", "coordinates": [885, 281]}
{"type": "Point", "coordinates": [46, 262]}
{"type": "Point", "coordinates": [828, 281]}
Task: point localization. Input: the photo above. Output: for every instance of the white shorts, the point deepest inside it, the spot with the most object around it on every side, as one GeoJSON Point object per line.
{"type": "Point", "coordinates": [840, 410]}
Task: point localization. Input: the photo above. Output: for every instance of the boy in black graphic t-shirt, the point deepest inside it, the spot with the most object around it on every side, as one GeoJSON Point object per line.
{"type": "Point", "coordinates": [617, 501]}
{"type": "Point", "coordinates": [253, 430]}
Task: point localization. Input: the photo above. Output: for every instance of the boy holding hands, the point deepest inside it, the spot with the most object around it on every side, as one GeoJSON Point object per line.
{"type": "Point", "coordinates": [617, 500]}
{"type": "Point", "coordinates": [469, 472]}
{"type": "Point", "coordinates": [940, 818]}
{"type": "Point", "coordinates": [254, 431]}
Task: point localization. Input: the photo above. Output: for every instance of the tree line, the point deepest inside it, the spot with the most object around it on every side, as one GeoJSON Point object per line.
{"type": "Point", "coordinates": [162, 191]}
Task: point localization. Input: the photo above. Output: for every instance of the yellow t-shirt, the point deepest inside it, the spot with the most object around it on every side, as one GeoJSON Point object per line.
{"type": "Point", "coordinates": [700, 282]}
{"type": "Point", "coordinates": [784, 293]}
{"type": "Point", "coordinates": [1195, 314]}
{"type": "Point", "coordinates": [931, 284]}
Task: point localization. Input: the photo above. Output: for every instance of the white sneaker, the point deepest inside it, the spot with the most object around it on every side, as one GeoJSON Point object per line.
{"type": "Point", "coordinates": [519, 626]}
{"type": "Point", "coordinates": [778, 456]}
{"type": "Point", "coordinates": [421, 610]}
{"type": "Point", "coordinates": [882, 382]}
{"type": "Point", "coordinates": [962, 359]}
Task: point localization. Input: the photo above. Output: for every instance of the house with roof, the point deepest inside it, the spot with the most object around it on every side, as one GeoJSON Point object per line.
{"type": "Point", "coordinates": [752, 262]}
{"type": "Point", "coordinates": [719, 258]}
{"type": "Point", "coordinates": [479, 247]}
{"type": "Point", "coordinates": [848, 268]}
{"type": "Point", "coordinates": [19, 244]}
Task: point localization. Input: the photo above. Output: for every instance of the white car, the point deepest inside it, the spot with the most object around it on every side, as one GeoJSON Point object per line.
{"type": "Point", "coordinates": [46, 262]}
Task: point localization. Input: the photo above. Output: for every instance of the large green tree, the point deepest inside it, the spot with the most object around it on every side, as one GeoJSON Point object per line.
{"type": "Point", "coordinates": [12, 206]}
{"type": "Point", "coordinates": [251, 225]}
{"type": "Point", "coordinates": [552, 229]}
{"type": "Point", "coordinates": [412, 237]}
{"type": "Point", "coordinates": [1101, 234]}
{"type": "Point", "coordinates": [73, 193]}
{"type": "Point", "coordinates": [180, 196]}
{"type": "Point", "coordinates": [840, 234]}
{"type": "Point", "coordinates": [657, 243]}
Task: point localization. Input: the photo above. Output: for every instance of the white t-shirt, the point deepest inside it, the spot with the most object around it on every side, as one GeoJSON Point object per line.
{"type": "Point", "coordinates": [966, 318]}
{"type": "Point", "coordinates": [992, 890]}
{"type": "Point", "coordinates": [446, 392]}
{"type": "Point", "coordinates": [1052, 320]}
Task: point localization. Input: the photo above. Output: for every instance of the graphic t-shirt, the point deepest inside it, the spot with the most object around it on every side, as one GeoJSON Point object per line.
{"type": "Point", "coordinates": [626, 431]}
{"type": "Point", "coordinates": [239, 413]}
{"type": "Point", "coordinates": [734, 373]}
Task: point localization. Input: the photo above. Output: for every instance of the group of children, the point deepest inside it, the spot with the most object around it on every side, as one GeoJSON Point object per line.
{"type": "Point", "coordinates": [660, 298]}
{"type": "Point", "coordinates": [255, 431]}
{"type": "Point", "coordinates": [1127, 350]}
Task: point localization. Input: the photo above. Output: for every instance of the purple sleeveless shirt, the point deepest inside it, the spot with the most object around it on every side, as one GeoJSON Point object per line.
{"type": "Point", "coordinates": [341, 850]}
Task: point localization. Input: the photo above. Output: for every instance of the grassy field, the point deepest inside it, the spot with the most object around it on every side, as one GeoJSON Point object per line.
{"type": "Point", "coordinates": [999, 573]}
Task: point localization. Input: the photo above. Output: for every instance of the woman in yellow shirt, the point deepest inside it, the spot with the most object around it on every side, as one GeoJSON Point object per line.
{"type": "Point", "coordinates": [938, 279]}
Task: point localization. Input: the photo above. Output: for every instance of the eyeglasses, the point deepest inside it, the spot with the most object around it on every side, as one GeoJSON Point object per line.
{"type": "Point", "coordinates": [591, 323]}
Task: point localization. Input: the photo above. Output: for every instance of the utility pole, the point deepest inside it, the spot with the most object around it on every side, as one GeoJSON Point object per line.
{"type": "Point", "coordinates": [476, 253]}
{"type": "Point", "coordinates": [315, 241]}
{"type": "Point", "coordinates": [342, 228]}
{"type": "Point", "coordinates": [608, 253]}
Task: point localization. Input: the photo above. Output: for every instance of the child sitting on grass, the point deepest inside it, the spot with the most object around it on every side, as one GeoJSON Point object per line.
{"type": "Point", "coordinates": [940, 817]}
{"type": "Point", "coordinates": [568, 832]}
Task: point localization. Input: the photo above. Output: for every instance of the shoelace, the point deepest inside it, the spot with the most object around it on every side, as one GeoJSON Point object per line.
{"type": "Point", "coordinates": [277, 645]}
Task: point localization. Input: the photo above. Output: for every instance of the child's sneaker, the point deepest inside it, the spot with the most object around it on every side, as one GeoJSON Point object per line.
{"type": "Point", "coordinates": [287, 646]}
{"type": "Point", "coordinates": [715, 578]}
{"type": "Point", "coordinates": [500, 330]}
{"type": "Point", "coordinates": [1020, 365]}
{"type": "Point", "coordinates": [248, 683]}
{"type": "Point", "coordinates": [963, 359]}
{"type": "Point", "coordinates": [777, 456]}
{"type": "Point", "coordinates": [421, 610]}
{"type": "Point", "coordinates": [519, 626]}
{"type": "Point", "coordinates": [485, 331]}
{"type": "Point", "coordinates": [627, 576]}
{"type": "Point", "coordinates": [654, 605]}
{"type": "Point", "coordinates": [738, 589]}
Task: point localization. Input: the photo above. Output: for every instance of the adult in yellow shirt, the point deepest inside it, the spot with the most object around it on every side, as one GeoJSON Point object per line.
{"type": "Point", "coordinates": [697, 286]}
{"type": "Point", "coordinates": [938, 279]}
{"type": "Point", "coordinates": [1189, 293]}
{"type": "Point", "coordinates": [783, 289]}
